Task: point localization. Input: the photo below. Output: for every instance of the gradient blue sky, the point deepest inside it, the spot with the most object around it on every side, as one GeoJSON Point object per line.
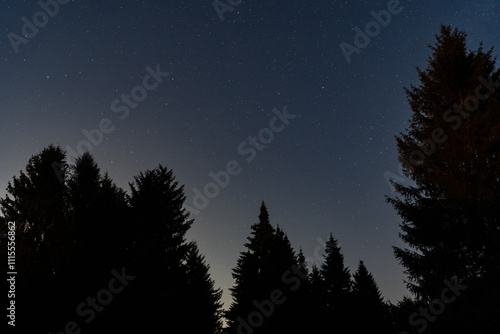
{"type": "Point", "coordinates": [323, 173]}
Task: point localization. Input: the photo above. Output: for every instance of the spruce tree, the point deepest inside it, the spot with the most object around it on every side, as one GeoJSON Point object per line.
{"type": "Point", "coordinates": [336, 277]}
{"type": "Point", "coordinates": [316, 279]}
{"type": "Point", "coordinates": [318, 311]}
{"type": "Point", "coordinates": [74, 226]}
{"type": "Point", "coordinates": [246, 287]}
{"type": "Point", "coordinates": [372, 314]}
{"type": "Point", "coordinates": [83, 187]}
{"type": "Point", "coordinates": [36, 202]}
{"type": "Point", "coordinates": [304, 301]}
{"type": "Point", "coordinates": [264, 267]}
{"type": "Point", "coordinates": [336, 281]}
{"type": "Point", "coordinates": [451, 152]}
{"type": "Point", "coordinates": [364, 286]}
{"type": "Point", "coordinates": [159, 249]}
{"type": "Point", "coordinates": [301, 262]}
{"type": "Point", "coordinates": [205, 311]}
{"type": "Point", "coordinates": [254, 272]}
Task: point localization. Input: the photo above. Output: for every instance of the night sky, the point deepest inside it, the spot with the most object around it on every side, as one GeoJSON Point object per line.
{"type": "Point", "coordinates": [220, 86]}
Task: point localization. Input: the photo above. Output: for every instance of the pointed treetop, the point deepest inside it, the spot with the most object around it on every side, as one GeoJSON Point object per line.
{"type": "Point", "coordinates": [364, 285]}
{"type": "Point", "coordinates": [264, 215]}
{"type": "Point", "coordinates": [332, 245]}
{"type": "Point", "coordinates": [301, 260]}
{"type": "Point", "coordinates": [335, 274]}
{"type": "Point", "coordinates": [262, 232]}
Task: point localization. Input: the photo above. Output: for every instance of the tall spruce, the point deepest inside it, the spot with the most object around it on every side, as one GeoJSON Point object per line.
{"type": "Point", "coordinates": [159, 250]}
{"type": "Point", "coordinates": [317, 314]}
{"type": "Point", "coordinates": [364, 286]}
{"type": "Point", "coordinates": [451, 152]}
{"type": "Point", "coordinates": [99, 215]}
{"type": "Point", "coordinates": [252, 274]}
{"type": "Point", "coordinates": [336, 286]}
{"type": "Point", "coordinates": [36, 202]}
{"type": "Point", "coordinates": [302, 263]}
{"type": "Point", "coordinates": [262, 268]}
{"type": "Point", "coordinates": [372, 314]}
{"type": "Point", "coordinates": [335, 275]}
{"type": "Point", "coordinates": [303, 298]}
{"type": "Point", "coordinates": [205, 312]}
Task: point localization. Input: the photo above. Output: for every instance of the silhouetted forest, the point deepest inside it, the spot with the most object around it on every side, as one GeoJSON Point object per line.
{"type": "Point", "coordinates": [95, 258]}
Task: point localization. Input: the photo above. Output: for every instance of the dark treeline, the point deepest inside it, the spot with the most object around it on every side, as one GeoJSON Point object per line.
{"type": "Point", "coordinates": [93, 258]}
{"type": "Point", "coordinates": [275, 292]}
{"type": "Point", "coordinates": [89, 253]}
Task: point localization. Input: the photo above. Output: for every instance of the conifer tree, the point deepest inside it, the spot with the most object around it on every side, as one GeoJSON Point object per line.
{"type": "Point", "coordinates": [83, 188]}
{"type": "Point", "coordinates": [315, 279]}
{"type": "Point", "coordinates": [262, 268]}
{"type": "Point", "coordinates": [372, 314]}
{"type": "Point", "coordinates": [364, 286]}
{"type": "Point", "coordinates": [303, 307]}
{"type": "Point", "coordinates": [335, 276]}
{"type": "Point", "coordinates": [36, 203]}
{"type": "Point", "coordinates": [252, 274]}
{"type": "Point", "coordinates": [451, 151]}
{"type": "Point", "coordinates": [205, 310]}
{"type": "Point", "coordinates": [330, 289]}
{"type": "Point", "coordinates": [318, 315]}
{"type": "Point", "coordinates": [74, 226]}
{"type": "Point", "coordinates": [301, 262]}
{"type": "Point", "coordinates": [159, 249]}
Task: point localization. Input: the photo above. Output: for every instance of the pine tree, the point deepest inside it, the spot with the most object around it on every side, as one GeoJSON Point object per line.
{"type": "Point", "coordinates": [315, 278]}
{"type": "Point", "coordinates": [74, 226]}
{"type": "Point", "coordinates": [99, 212]}
{"type": "Point", "coordinates": [372, 314]}
{"type": "Point", "coordinates": [36, 203]}
{"type": "Point", "coordinates": [159, 249]}
{"type": "Point", "coordinates": [318, 311]}
{"type": "Point", "coordinates": [451, 152]}
{"type": "Point", "coordinates": [282, 256]}
{"type": "Point", "coordinates": [303, 309]}
{"type": "Point", "coordinates": [336, 281]}
{"type": "Point", "coordinates": [247, 286]}
{"type": "Point", "coordinates": [205, 311]}
{"type": "Point", "coordinates": [336, 277]}
{"type": "Point", "coordinates": [116, 228]}
{"type": "Point", "coordinates": [83, 187]}
{"type": "Point", "coordinates": [264, 267]}
{"type": "Point", "coordinates": [252, 274]}
{"type": "Point", "coordinates": [301, 262]}
{"type": "Point", "coordinates": [263, 235]}
{"type": "Point", "coordinates": [364, 286]}
{"type": "Point", "coordinates": [288, 316]}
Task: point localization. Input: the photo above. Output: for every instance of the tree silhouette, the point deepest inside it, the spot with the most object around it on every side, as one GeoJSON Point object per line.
{"type": "Point", "coordinates": [205, 306]}
{"type": "Point", "coordinates": [305, 312]}
{"type": "Point", "coordinates": [252, 273]}
{"type": "Point", "coordinates": [159, 248]}
{"type": "Point", "coordinates": [451, 152]}
{"type": "Point", "coordinates": [269, 264]}
{"type": "Point", "coordinates": [336, 284]}
{"type": "Point", "coordinates": [102, 230]}
{"type": "Point", "coordinates": [317, 313]}
{"type": "Point", "coordinates": [364, 286]}
{"type": "Point", "coordinates": [336, 277]}
{"type": "Point", "coordinates": [74, 227]}
{"type": "Point", "coordinates": [372, 314]}
{"type": "Point", "coordinates": [36, 202]}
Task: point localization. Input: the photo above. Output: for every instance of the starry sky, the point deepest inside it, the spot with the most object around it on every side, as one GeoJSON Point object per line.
{"type": "Point", "coordinates": [204, 90]}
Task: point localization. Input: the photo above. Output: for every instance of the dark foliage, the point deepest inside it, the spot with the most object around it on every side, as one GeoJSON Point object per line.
{"type": "Point", "coordinates": [451, 215]}
{"type": "Point", "coordinates": [88, 253]}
